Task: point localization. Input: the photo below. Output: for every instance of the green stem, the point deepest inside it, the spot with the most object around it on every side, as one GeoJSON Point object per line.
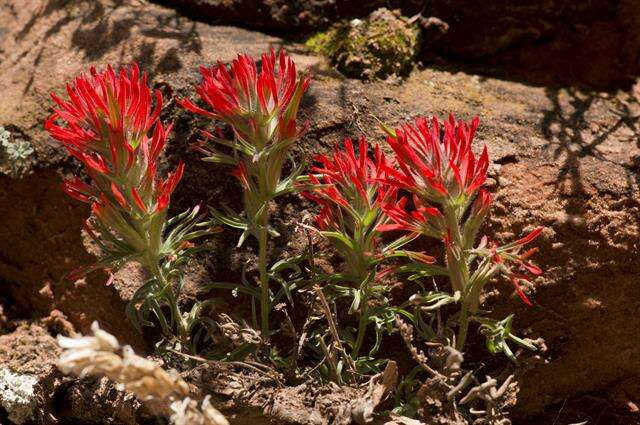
{"type": "Point", "coordinates": [461, 338]}
{"type": "Point", "coordinates": [363, 274]}
{"type": "Point", "coordinates": [459, 272]}
{"type": "Point", "coordinates": [264, 276]}
{"type": "Point", "coordinates": [166, 288]}
{"type": "Point", "coordinates": [362, 328]}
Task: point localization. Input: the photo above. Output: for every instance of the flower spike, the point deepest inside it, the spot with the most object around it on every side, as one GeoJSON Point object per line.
{"type": "Point", "coordinates": [110, 122]}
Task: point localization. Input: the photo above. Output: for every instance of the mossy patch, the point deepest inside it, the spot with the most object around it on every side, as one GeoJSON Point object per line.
{"type": "Point", "coordinates": [383, 44]}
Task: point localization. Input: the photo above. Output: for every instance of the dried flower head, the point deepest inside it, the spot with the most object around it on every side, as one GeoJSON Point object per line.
{"type": "Point", "coordinates": [164, 392]}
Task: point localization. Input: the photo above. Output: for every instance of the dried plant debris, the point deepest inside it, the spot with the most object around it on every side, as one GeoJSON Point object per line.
{"type": "Point", "coordinates": [164, 393]}
{"type": "Point", "coordinates": [450, 393]}
{"type": "Point", "coordinates": [190, 412]}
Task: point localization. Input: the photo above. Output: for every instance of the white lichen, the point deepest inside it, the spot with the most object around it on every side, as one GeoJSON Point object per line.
{"type": "Point", "coordinates": [15, 155]}
{"type": "Point", "coordinates": [17, 395]}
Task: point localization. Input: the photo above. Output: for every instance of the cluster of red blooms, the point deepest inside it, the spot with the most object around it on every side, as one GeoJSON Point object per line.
{"type": "Point", "coordinates": [245, 98]}
{"type": "Point", "coordinates": [508, 257]}
{"type": "Point", "coordinates": [443, 175]}
{"type": "Point", "coordinates": [434, 166]}
{"type": "Point", "coordinates": [109, 124]}
{"type": "Point", "coordinates": [107, 121]}
{"type": "Point", "coordinates": [440, 169]}
{"type": "Point", "coordinates": [350, 184]}
{"type": "Point", "coordinates": [261, 107]}
{"type": "Point", "coordinates": [260, 103]}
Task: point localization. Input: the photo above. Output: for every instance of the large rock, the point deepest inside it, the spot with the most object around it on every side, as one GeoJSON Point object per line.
{"type": "Point", "coordinates": [594, 42]}
{"type": "Point", "coordinates": [562, 157]}
{"type": "Point", "coordinates": [28, 370]}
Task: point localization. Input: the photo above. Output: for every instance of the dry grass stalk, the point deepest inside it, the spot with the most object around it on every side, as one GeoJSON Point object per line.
{"type": "Point", "coordinates": [165, 393]}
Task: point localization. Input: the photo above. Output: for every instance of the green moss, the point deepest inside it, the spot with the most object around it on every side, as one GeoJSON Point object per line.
{"type": "Point", "coordinates": [322, 42]}
{"type": "Point", "coordinates": [384, 44]}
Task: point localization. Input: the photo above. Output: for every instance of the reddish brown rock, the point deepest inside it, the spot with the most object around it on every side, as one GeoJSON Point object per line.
{"type": "Point", "coordinates": [563, 157]}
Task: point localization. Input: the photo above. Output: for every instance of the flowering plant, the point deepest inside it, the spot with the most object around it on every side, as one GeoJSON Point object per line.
{"type": "Point", "coordinates": [444, 176]}
{"type": "Point", "coordinates": [109, 124]}
{"type": "Point", "coordinates": [351, 190]}
{"type": "Point", "coordinates": [261, 107]}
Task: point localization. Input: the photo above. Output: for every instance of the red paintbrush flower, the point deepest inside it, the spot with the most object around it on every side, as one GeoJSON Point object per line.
{"type": "Point", "coordinates": [105, 123]}
{"type": "Point", "coordinates": [350, 189]}
{"type": "Point", "coordinates": [349, 184]}
{"type": "Point", "coordinates": [437, 166]}
{"type": "Point", "coordinates": [246, 98]}
{"type": "Point", "coordinates": [421, 220]}
{"type": "Point", "coordinates": [109, 123]}
{"type": "Point", "coordinates": [107, 114]}
{"type": "Point", "coordinates": [514, 264]}
{"type": "Point", "coordinates": [260, 103]}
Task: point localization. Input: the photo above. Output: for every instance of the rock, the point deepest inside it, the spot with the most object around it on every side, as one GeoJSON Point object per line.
{"type": "Point", "coordinates": [18, 395]}
{"type": "Point", "coordinates": [382, 45]}
{"type": "Point", "coordinates": [544, 41]}
{"type": "Point", "coordinates": [561, 168]}
{"type": "Point", "coordinates": [27, 370]}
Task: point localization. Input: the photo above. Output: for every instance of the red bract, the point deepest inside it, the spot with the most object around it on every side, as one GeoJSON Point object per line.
{"type": "Point", "coordinates": [109, 124]}
{"type": "Point", "coordinates": [513, 264]}
{"type": "Point", "coordinates": [349, 182]}
{"type": "Point", "coordinates": [261, 106]}
{"type": "Point", "coordinates": [103, 106]}
{"type": "Point", "coordinates": [105, 123]}
{"type": "Point", "coordinates": [351, 191]}
{"type": "Point", "coordinates": [421, 220]}
{"type": "Point", "coordinates": [260, 103]}
{"type": "Point", "coordinates": [438, 166]}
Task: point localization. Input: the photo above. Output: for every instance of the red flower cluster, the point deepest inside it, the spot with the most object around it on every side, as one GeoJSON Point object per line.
{"type": "Point", "coordinates": [440, 168]}
{"type": "Point", "coordinates": [109, 124]}
{"type": "Point", "coordinates": [349, 184]}
{"type": "Point", "coordinates": [261, 106]}
{"type": "Point", "coordinates": [437, 167]}
{"type": "Point", "coordinates": [421, 220]}
{"type": "Point", "coordinates": [106, 125]}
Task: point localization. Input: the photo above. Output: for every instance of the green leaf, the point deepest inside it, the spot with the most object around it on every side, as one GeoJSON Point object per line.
{"type": "Point", "coordinates": [347, 242]}
{"type": "Point", "coordinates": [220, 158]}
{"type": "Point", "coordinates": [423, 269]}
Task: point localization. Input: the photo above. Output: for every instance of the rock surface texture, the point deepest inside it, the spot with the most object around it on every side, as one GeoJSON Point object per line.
{"type": "Point", "coordinates": [564, 157]}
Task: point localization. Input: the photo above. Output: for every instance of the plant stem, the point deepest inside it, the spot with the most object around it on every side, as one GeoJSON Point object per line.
{"type": "Point", "coordinates": [264, 276]}
{"type": "Point", "coordinates": [362, 327]}
{"type": "Point", "coordinates": [461, 338]}
{"type": "Point", "coordinates": [166, 288]}
{"type": "Point", "coordinates": [459, 272]}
